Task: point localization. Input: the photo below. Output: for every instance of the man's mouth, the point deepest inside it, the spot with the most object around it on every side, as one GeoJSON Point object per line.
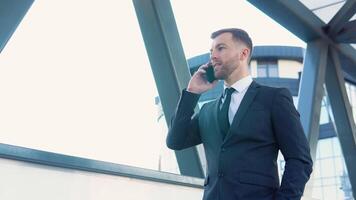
{"type": "Point", "coordinates": [215, 64]}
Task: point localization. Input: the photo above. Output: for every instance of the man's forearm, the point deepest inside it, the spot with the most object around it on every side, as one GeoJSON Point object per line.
{"type": "Point", "coordinates": [184, 130]}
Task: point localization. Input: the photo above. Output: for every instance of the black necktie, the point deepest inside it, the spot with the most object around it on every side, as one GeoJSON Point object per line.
{"type": "Point", "coordinates": [223, 114]}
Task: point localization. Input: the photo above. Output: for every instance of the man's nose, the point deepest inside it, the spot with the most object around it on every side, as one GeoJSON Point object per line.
{"type": "Point", "coordinates": [212, 55]}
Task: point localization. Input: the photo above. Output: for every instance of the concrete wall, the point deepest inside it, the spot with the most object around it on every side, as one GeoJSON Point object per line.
{"type": "Point", "coordinates": [22, 180]}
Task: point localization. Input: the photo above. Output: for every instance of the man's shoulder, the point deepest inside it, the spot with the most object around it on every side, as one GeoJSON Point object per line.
{"type": "Point", "coordinates": [270, 89]}
{"type": "Point", "coordinates": [270, 92]}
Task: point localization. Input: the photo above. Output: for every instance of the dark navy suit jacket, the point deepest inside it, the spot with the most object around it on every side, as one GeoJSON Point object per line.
{"type": "Point", "coordinates": [243, 165]}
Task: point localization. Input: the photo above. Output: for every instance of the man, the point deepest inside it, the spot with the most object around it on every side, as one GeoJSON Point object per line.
{"type": "Point", "coordinates": [243, 130]}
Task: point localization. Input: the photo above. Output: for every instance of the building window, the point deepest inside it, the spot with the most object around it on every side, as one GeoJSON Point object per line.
{"type": "Point", "coordinates": [267, 68]}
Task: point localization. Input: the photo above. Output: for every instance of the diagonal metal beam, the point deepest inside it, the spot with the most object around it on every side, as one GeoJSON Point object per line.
{"type": "Point", "coordinates": [11, 14]}
{"type": "Point", "coordinates": [294, 16]}
{"type": "Point", "coordinates": [347, 33]}
{"type": "Point", "coordinates": [311, 91]}
{"type": "Point", "coordinates": [342, 16]}
{"type": "Point", "coordinates": [310, 95]}
{"type": "Point", "coordinates": [299, 20]}
{"type": "Point", "coordinates": [343, 119]}
{"type": "Point", "coordinates": [169, 67]}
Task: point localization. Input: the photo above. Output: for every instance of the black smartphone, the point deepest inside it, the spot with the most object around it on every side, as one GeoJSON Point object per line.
{"type": "Point", "coordinates": [210, 73]}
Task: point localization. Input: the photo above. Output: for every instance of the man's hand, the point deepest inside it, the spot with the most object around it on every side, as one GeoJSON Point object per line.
{"type": "Point", "coordinates": [198, 83]}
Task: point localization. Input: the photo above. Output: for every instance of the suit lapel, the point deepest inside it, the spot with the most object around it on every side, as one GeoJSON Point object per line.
{"type": "Point", "coordinates": [243, 108]}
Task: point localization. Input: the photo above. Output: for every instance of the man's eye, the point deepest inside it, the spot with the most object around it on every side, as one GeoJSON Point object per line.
{"type": "Point", "coordinates": [220, 48]}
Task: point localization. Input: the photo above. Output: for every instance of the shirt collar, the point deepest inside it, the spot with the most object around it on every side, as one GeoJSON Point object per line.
{"type": "Point", "coordinates": [241, 84]}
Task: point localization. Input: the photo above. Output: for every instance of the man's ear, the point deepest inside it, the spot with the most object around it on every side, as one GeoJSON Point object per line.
{"type": "Point", "coordinates": [245, 53]}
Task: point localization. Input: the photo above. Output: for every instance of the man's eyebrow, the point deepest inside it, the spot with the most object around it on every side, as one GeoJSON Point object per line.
{"type": "Point", "coordinates": [218, 45]}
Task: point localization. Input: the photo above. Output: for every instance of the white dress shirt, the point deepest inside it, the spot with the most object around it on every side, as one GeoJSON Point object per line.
{"type": "Point", "coordinates": [240, 87]}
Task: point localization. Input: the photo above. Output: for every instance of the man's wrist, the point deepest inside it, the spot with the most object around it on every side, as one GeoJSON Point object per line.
{"type": "Point", "coordinates": [190, 90]}
{"type": "Point", "coordinates": [189, 98]}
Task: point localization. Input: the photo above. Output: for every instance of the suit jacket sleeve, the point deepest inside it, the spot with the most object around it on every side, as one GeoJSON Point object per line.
{"type": "Point", "coordinates": [184, 128]}
{"type": "Point", "coordinates": [293, 145]}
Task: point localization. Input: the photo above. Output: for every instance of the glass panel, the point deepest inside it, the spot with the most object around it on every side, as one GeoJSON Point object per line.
{"type": "Point", "coordinates": [326, 148]}
{"type": "Point", "coordinates": [312, 4]}
{"type": "Point", "coordinates": [327, 167]}
{"type": "Point", "coordinates": [324, 115]}
{"type": "Point", "coordinates": [330, 192]}
{"type": "Point", "coordinates": [329, 181]}
{"type": "Point", "coordinates": [336, 146]}
{"type": "Point", "coordinates": [79, 83]}
{"type": "Point", "coordinates": [339, 166]}
{"type": "Point", "coordinates": [317, 193]}
{"type": "Point", "coordinates": [346, 186]}
{"type": "Point", "coordinates": [317, 183]}
{"type": "Point", "coordinates": [330, 177]}
{"type": "Point", "coordinates": [317, 170]}
{"type": "Point", "coordinates": [324, 9]}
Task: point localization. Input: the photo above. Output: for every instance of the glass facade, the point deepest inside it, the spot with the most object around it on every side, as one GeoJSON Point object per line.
{"type": "Point", "coordinates": [330, 179]}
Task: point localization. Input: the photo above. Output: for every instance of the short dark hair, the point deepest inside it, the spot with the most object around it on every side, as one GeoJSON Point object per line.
{"type": "Point", "coordinates": [237, 34]}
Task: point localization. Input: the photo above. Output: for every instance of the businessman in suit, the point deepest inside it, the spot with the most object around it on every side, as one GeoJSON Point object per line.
{"type": "Point", "coordinates": [243, 130]}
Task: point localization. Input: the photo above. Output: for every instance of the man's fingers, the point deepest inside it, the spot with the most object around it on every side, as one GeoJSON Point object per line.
{"type": "Point", "coordinates": [205, 66]}
{"type": "Point", "coordinates": [201, 71]}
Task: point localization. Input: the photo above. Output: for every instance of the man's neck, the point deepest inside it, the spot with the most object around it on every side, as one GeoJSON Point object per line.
{"type": "Point", "coordinates": [234, 77]}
